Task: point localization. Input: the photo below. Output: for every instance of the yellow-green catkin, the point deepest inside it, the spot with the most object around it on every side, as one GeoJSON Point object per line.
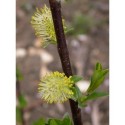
{"type": "Point", "coordinates": [43, 25]}
{"type": "Point", "coordinates": [55, 87]}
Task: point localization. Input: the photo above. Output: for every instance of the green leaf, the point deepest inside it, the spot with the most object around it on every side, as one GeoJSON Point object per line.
{"type": "Point", "coordinates": [96, 95]}
{"type": "Point", "coordinates": [77, 93]}
{"type": "Point", "coordinates": [81, 104]}
{"type": "Point", "coordinates": [22, 101]}
{"type": "Point", "coordinates": [53, 121]}
{"type": "Point", "coordinates": [97, 78]}
{"type": "Point", "coordinates": [40, 121]}
{"type": "Point", "coordinates": [66, 120]}
{"type": "Point", "coordinates": [83, 99]}
{"type": "Point", "coordinates": [98, 66]}
{"type": "Point", "coordinates": [18, 114]}
{"type": "Point", "coordinates": [75, 78]}
{"type": "Point", "coordinates": [19, 75]}
{"type": "Point", "coordinates": [78, 97]}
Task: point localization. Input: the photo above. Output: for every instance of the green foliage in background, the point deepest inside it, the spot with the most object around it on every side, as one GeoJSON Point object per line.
{"type": "Point", "coordinates": [81, 24]}
{"type": "Point", "coordinates": [22, 103]}
{"type": "Point", "coordinates": [19, 75]}
{"type": "Point", "coordinates": [53, 121]}
{"type": "Point", "coordinates": [18, 114]}
{"type": "Point", "coordinates": [40, 121]}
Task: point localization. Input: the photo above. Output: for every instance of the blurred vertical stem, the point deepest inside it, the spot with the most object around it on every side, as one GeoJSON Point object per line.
{"type": "Point", "coordinates": [64, 54]}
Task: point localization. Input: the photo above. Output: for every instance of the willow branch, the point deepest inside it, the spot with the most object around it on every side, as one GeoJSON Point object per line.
{"type": "Point", "coordinates": [64, 54]}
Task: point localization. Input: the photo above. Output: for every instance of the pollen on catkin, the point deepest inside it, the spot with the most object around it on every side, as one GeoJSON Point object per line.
{"type": "Point", "coordinates": [43, 25]}
{"type": "Point", "coordinates": [55, 87]}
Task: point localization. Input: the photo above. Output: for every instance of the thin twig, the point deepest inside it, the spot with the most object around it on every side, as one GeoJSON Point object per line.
{"type": "Point", "coordinates": [64, 54]}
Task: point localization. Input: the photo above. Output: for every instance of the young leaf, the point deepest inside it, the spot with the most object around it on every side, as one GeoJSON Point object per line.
{"type": "Point", "coordinates": [77, 93]}
{"type": "Point", "coordinates": [22, 101]}
{"type": "Point", "coordinates": [75, 78]}
{"type": "Point", "coordinates": [81, 104]}
{"type": "Point", "coordinates": [83, 99]}
{"type": "Point", "coordinates": [93, 96]}
{"type": "Point", "coordinates": [78, 97]}
{"type": "Point", "coordinates": [18, 115]}
{"type": "Point", "coordinates": [41, 121]}
{"type": "Point", "coordinates": [66, 120]}
{"type": "Point", "coordinates": [97, 78]}
{"type": "Point", "coordinates": [19, 75]}
{"type": "Point", "coordinates": [98, 66]}
{"type": "Point", "coordinates": [53, 121]}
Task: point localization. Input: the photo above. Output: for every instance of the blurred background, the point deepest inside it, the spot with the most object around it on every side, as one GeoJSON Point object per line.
{"type": "Point", "coordinates": [88, 43]}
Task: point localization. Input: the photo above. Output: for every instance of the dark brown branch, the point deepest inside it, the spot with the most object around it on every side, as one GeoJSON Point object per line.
{"type": "Point", "coordinates": [64, 54]}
